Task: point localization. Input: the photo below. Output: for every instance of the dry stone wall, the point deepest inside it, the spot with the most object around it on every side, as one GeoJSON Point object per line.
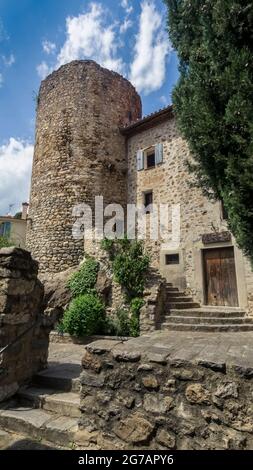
{"type": "Point", "coordinates": [79, 154]}
{"type": "Point", "coordinates": [21, 300]}
{"type": "Point", "coordinates": [130, 400]}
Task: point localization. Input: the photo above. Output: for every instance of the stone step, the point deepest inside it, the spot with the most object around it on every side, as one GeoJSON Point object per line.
{"type": "Point", "coordinates": [39, 424]}
{"type": "Point", "coordinates": [175, 294]}
{"type": "Point", "coordinates": [207, 328]}
{"type": "Point", "coordinates": [172, 289]}
{"type": "Point", "coordinates": [64, 377]}
{"type": "Point", "coordinates": [181, 305]}
{"type": "Point", "coordinates": [172, 319]}
{"type": "Point", "coordinates": [64, 404]}
{"type": "Point", "coordinates": [207, 312]}
{"type": "Point", "coordinates": [179, 299]}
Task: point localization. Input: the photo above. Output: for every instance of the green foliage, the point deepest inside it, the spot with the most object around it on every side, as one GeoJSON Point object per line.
{"type": "Point", "coordinates": [213, 101]}
{"type": "Point", "coordinates": [129, 264]}
{"type": "Point", "coordinates": [84, 280]}
{"type": "Point", "coordinates": [136, 305]}
{"type": "Point", "coordinates": [84, 316]}
{"type": "Point", "coordinates": [18, 215]}
{"type": "Point", "coordinates": [120, 323]}
{"type": "Point", "coordinates": [134, 325]}
{"type": "Point", "coordinates": [109, 246]}
{"type": "Point", "coordinates": [135, 308]}
{"type": "Point", "coordinates": [125, 322]}
{"type": "Point", "coordinates": [60, 327]}
{"type": "Point", "coordinates": [5, 242]}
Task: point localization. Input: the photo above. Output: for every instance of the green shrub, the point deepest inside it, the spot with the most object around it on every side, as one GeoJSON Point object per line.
{"type": "Point", "coordinates": [134, 325]}
{"type": "Point", "coordinates": [5, 242]}
{"type": "Point", "coordinates": [119, 325]}
{"type": "Point", "coordinates": [124, 323]}
{"type": "Point", "coordinates": [136, 305]}
{"type": "Point", "coordinates": [109, 246]}
{"type": "Point", "coordinates": [84, 316]}
{"type": "Point", "coordinates": [84, 280]}
{"type": "Point", "coordinates": [129, 267]}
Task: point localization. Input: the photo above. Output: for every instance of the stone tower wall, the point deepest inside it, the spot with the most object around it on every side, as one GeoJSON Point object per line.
{"type": "Point", "coordinates": [79, 153]}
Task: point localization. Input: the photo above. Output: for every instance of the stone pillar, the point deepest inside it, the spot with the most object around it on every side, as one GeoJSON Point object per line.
{"type": "Point", "coordinates": [21, 298]}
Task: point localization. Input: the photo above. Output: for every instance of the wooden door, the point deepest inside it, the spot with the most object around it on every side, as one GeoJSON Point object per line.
{"type": "Point", "coordinates": [220, 277]}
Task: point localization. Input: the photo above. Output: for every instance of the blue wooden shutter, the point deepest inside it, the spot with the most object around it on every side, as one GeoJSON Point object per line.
{"type": "Point", "coordinates": [7, 229]}
{"type": "Point", "coordinates": [158, 153]}
{"type": "Point", "coordinates": [140, 160]}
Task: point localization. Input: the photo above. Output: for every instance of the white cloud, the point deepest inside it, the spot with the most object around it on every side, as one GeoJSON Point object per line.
{"type": "Point", "coordinates": [8, 61]}
{"type": "Point", "coordinates": [126, 6]}
{"type": "Point", "coordinates": [89, 37]}
{"type": "Point", "coordinates": [43, 70]}
{"type": "Point", "coordinates": [148, 70]}
{"type": "Point", "coordinates": [48, 47]}
{"type": "Point", "coordinates": [1, 80]}
{"type": "Point", "coordinates": [15, 170]}
{"type": "Point", "coordinates": [125, 26]}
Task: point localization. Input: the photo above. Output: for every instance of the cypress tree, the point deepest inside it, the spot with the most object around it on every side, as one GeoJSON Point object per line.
{"type": "Point", "coordinates": [213, 102]}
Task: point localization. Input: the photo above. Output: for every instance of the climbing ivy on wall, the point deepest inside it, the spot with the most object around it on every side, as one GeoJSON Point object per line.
{"type": "Point", "coordinates": [129, 265]}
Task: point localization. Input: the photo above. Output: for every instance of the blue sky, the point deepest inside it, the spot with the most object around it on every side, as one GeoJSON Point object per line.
{"type": "Point", "coordinates": [37, 36]}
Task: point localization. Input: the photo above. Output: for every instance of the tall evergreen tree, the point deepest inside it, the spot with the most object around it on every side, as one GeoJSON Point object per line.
{"type": "Point", "coordinates": [213, 101]}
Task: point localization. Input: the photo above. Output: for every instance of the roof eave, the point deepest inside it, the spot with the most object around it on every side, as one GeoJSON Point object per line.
{"type": "Point", "coordinates": [148, 122]}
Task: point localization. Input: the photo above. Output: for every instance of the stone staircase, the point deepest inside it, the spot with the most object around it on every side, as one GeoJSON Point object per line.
{"type": "Point", "coordinates": [183, 314]}
{"type": "Point", "coordinates": [48, 409]}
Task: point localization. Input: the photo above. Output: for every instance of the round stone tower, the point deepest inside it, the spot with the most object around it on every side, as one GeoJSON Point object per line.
{"type": "Point", "coordinates": [79, 154]}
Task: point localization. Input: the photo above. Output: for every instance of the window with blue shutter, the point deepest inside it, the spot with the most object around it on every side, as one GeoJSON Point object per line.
{"type": "Point", "coordinates": [140, 160]}
{"type": "Point", "coordinates": [7, 229]}
{"type": "Point", "coordinates": [158, 153]}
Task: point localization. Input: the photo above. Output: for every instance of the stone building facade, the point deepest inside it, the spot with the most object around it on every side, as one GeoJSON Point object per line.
{"type": "Point", "coordinates": [204, 238]}
{"type": "Point", "coordinates": [90, 141]}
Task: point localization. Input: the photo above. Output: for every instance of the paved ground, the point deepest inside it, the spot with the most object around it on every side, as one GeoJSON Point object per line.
{"type": "Point", "coordinates": [9, 441]}
{"type": "Point", "coordinates": [230, 348]}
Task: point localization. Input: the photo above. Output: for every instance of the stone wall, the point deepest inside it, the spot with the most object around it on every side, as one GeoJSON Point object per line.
{"type": "Point", "coordinates": [133, 400]}
{"type": "Point", "coordinates": [154, 296]}
{"type": "Point", "coordinates": [21, 298]}
{"type": "Point", "coordinates": [170, 183]}
{"type": "Point", "coordinates": [79, 154]}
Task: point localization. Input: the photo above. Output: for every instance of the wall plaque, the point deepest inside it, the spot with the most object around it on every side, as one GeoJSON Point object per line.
{"type": "Point", "coordinates": [216, 237]}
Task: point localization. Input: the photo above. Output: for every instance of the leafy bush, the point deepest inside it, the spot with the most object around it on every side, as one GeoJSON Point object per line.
{"type": "Point", "coordinates": [108, 245]}
{"type": "Point", "coordinates": [84, 316]}
{"type": "Point", "coordinates": [119, 325]}
{"type": "Point", "coordinates": [129, 264]}
{"type": "Point", "coordinates": [5, 242]}
{"type": "Point", "coordinates": [125, 323]}
{"type": "Point", "coordinates": [129, 267]}
{"type": "Point", "coordinates": [134, 325]}
{"type": "Point", "coordinates": [136, 305]}
{"type": "Point", "coordinates": [84, 280]}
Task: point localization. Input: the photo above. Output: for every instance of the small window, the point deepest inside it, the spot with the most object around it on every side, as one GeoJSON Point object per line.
{"type": "Point", "coordinates": [150, 157]}
{"type": "Point", "coordinates": [148, 198]}
{"type": "Point", "coordinates": [172, 258]}
{"type": "Point", "coordinates": [151, 160]}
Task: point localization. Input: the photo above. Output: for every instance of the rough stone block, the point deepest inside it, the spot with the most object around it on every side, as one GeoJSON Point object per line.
{"type": "Point", "coordinates": [134, 429]}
